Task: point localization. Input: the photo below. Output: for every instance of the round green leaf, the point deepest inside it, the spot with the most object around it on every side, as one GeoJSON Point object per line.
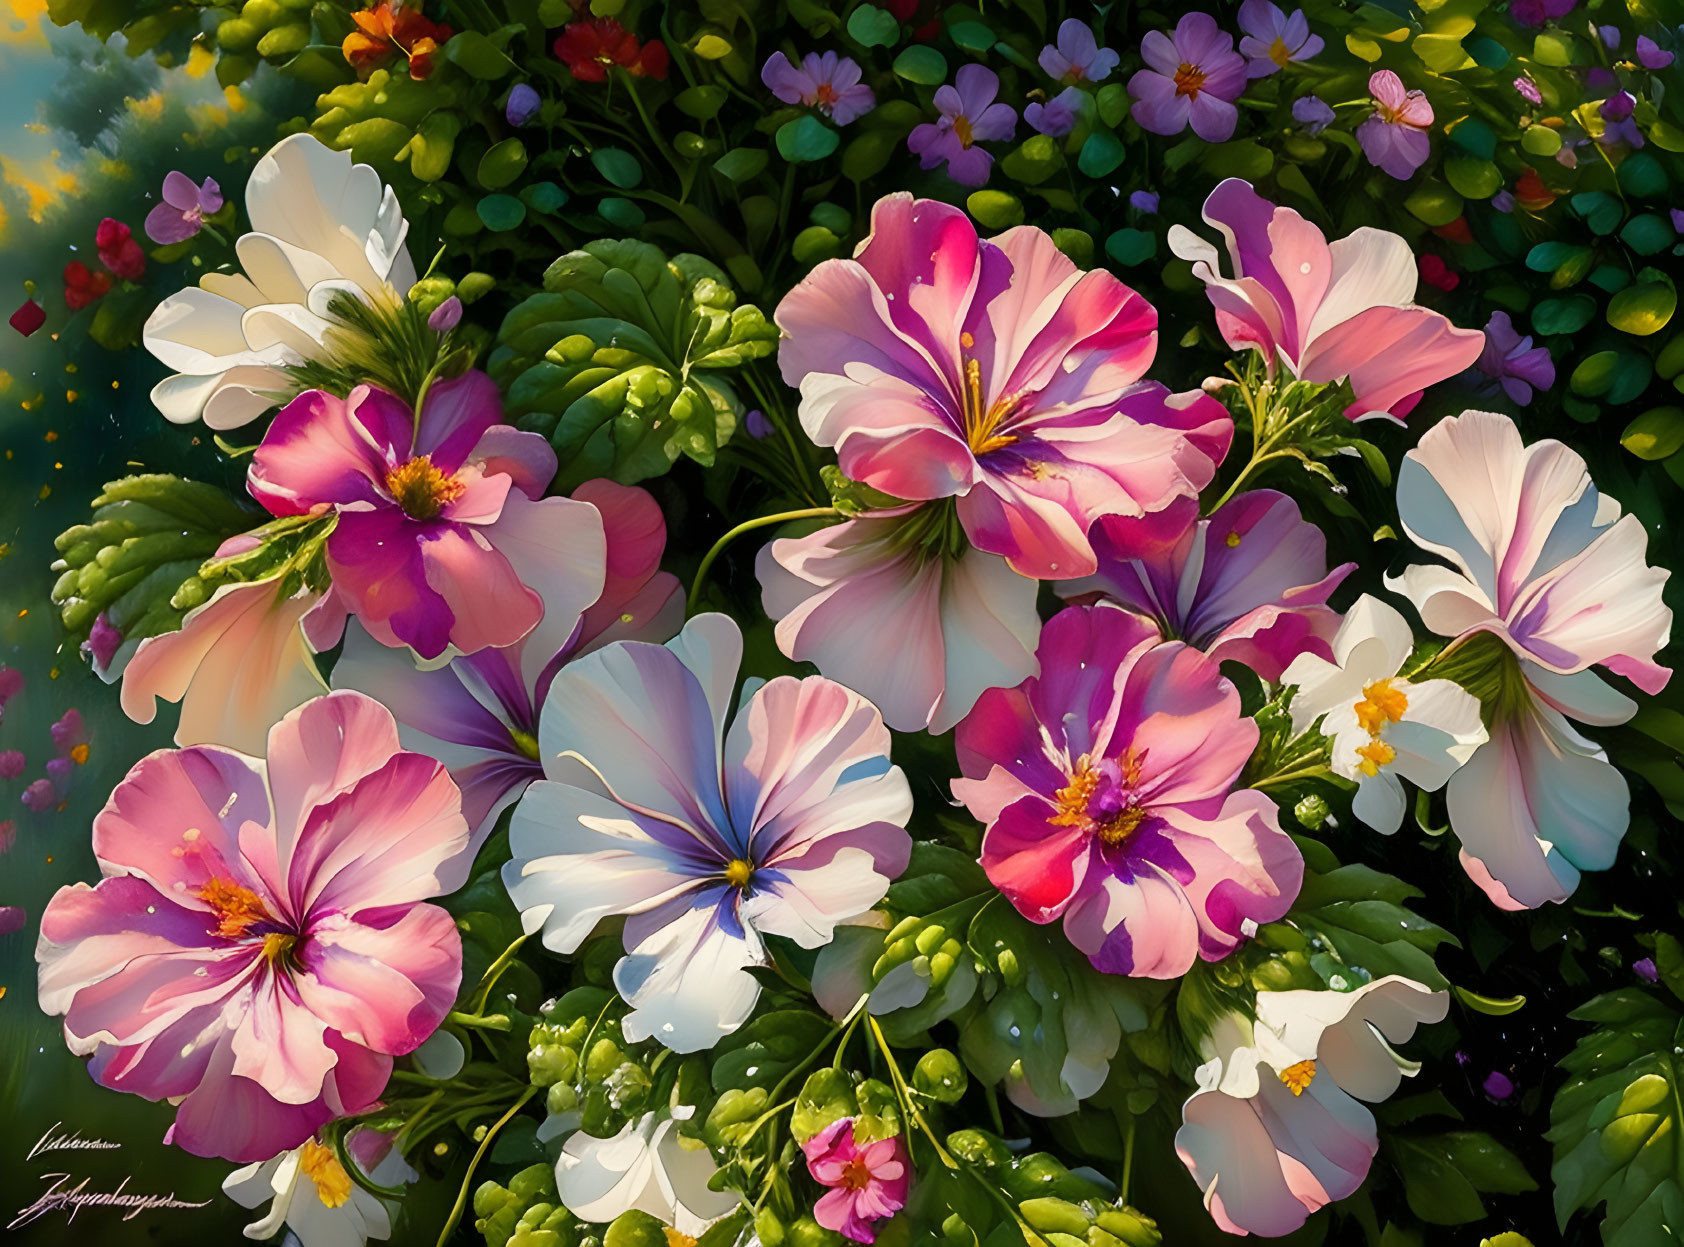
{"type": "Point", "coordinates": [1102, 153]}
{"type": "Point", "coordinates": [1656, 434]}
{"type": "Point", "coordinates": [617, 166]}
{"type": "Point", "coordinates": [972, 36]}
{"type": "Point", "coordinates": [1595, 373]}
{"type": "Point", "coordinates": [741, 163]}
{"type": "Point", "coordinates": [1567, 314]}
{"type": "Point", "coordinates": [1631, 377]}
{"type": "Point", "coordinates": [1553, 48]}
{"type": "Point", "coordinates": [806, 138]}
{"type": "Point", "coordinates": [1433, 204]}
{"type": "Point", "coordinates": [834, 217]}
{"type": "Point", "coordinates": [501, 212]}
{"type": "Point", "coordinates": [1599, 210]}
{"type": "Point", "coordinates": [1474, 137]}
{"type": "Point", "coordinates": [1643, 176]}
{"type": "Point", "coordinates": [995, 209]}
{"type": "Point", "coordinates": [1034, 162]}
{"type": "Point", "coordinates": [502, 164]}
{"type": "Point", "coordinates": [1648, 233]}
{"type": "Point", "coordinates": [1131, 246]}
{"type": "Point", "coordinates": [1670, 361]}
{"type": "Point", "coordinates": [922, 64]}
{"type": "Point", "coordinates": [543, 197]}
{"type": "Point", "coordinates": [871, 26]}
{"type": "Point", "coordinates": [1540, 141]}
{"type": "Point", "coordinates": [867, 154]}
{"type": "Point", "coordinates": [702, 102]}
{"type": "Point", "coordinates": [1643, 309]}
{"type": "Point", "coordinates": [1472, 177]}
{"type": "Point", "coordinates": [813, 244]}
{"type": "Point", "coordinates": [621, 212]}
{"type": "Point", "coordinates": [1075, 243]}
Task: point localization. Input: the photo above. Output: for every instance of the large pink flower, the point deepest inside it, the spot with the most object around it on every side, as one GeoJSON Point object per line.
{"type": "Point", "coordinates": [443, 538]}
{"type": "Point", "coordinates": [1107, 783]}
{"type": "Point", "coordinates": [1549, 566]}
{"type": "Point", "coordinates": [917, 632]}
{"type": "Point", "coordinates": [867, 1182]}
{"type": "Point", "coordinates": [1249, 584]}
{"type": "Point", "coordinates": [257, 950]}
{"type": "Point", "coordinates": [1327, 310]}
{"type": "Point", "coordinates": [943, 366]}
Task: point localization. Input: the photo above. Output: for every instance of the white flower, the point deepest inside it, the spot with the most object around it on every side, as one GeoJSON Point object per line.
{"type": "Point", "coordinates": [315, 1198]}
{"type": "Point", "coordinates": [647, 1166]}
{"type": "Point", "coordinates": [320, 225]}
{"type": "Point", "coordinates": [1383, 726]}
{"type": "Point", "coordinates": [1274, 1132]}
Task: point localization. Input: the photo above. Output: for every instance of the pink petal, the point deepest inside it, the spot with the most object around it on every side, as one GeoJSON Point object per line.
{"type": "Point", "coordinates": [386, 988]}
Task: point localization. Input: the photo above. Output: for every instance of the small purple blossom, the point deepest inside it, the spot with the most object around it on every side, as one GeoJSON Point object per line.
{"type": "Point", "coordinates": [1678, 219]}
{"type": "Point", "coordinates": [1610, 37]}
{"type": "Point", "coordinates": [59, 772]}
{"type": "Point", "coordinates": [1599, 78]}
{"type": "Point", "coordinates": [1057, 117]}
{"type": "Point", "coordinates": [69, 733]}
{"type": "Point", "coordinates": [12, 919]}
{"type": "Point", "coordinates": [1503, 201]}
{"type": "Point", "coordinates": [1651, 55]}
{"type": "Point", "coordinates": [757, 426]}
{"type": "Point", "coordinates": [1144, 201]}
{"type": "Point", "coordinates": [1272, 39]}
{"type": "Point", "coordinates": [1076, 57]}
{"type": "Point", "coordinates": [1513, 362]}
{"type": "Point", "coordinates": [1191, 78]}
{"type": "Point", "coordinates": [522, 106]}
{"type": "Point", "coordinates": [1619, 106]}
{"type": "Point", "coordinates": [11, 683]}
{"type": "Point", "coordinates": [102, 644]}
{"type": "Point", "coordinates": [185, 207]}
{"type": "Point", "coordinates": [1644, 968]}
{"type": "Point", "coordinates": [40, 796]}
{"type": "Point", "coordinates": [1313, 113]}
{"type": "Point", "coordinates": [12, 763]}
{"type": "Point", "coordinates": [1622, 130]}
{"type": "Point", "coordinates": [827, 82]}
{"type": "Point", "coordinates": [969, 116]}
{"type": "Point", "coordinates": [1498, 1085]}
{"type": "Point", "coordinates": [1394, 138]}
{"type": "Point", "coordinates": [1537, 12]}
{"type": "Point", "coordinates": [1528, 90]}
{"type": "Point", "coordinates": [446, 316]}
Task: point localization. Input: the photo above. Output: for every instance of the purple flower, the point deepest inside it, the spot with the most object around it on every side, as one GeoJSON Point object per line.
{"type": "Point", "coordinates": [102, 644]}
{"type": "Point", "coordinates": [1645, 969]}
{"type": "Point", "coordinates": [59, 772]}
{"type": "Point", "coordinates": [1191, 77]}
{"type": "Point", "coordinates": [1678, 219]}
{"type": "Point", "coordinates": [1622, 130]}
{"type": "Point", "coordinates": [1313, 113]}
{"type": "Point", "coordinates": [829, 83]}
{"type": "Point", "coordinates": [185, 207]}
{"type": "Point", "coordinates": [1651, 55]}
{"type": "Point", "coordinates": [11, 683]}
{"type": "Point", "coordinates": [1513, 361]}
{"type": "Point", "coordinates": [522, 106]}
{"type": "Point", "coordinates": [1077, 56]}
{"type": "Point", "coordinates": [1610, 37]}
{"type": "Point", "coordinates": [446, 316]}
{"type": "Point", "coordinates": [1144, 201]}
{"type": "Point", "coordinates": [1599, 78]}
{"type": "Point", "coordinates": [1528, 90]}
{"type": "Point", "coordinates": [1537, 12]}
{"type": "Point", "coordinates": [1498, 1085]}
{"type": "Point", "coordinates": [757, 426]}
{"type": "Point", "coordinates": [969, 116]}
{"type": "Point", "coordinates": [1503, 201]}
{"type": "Point", "coordinates": [1619, 106]}
{"type": "Point", "coordinates": [12, 763]}
{"type": "Point", "coordinates": [1057, 117]}
{"type": "Point", "coordinates": [40, 796]}
{"type": "Point", "coordinates": [1394, 138]}
{"type": "Point", "coordinates": [12, 919]}
{"type": "Point", "coordinates": [1272, 38]}
{"type": "Point", "coordinates": [70, 734]}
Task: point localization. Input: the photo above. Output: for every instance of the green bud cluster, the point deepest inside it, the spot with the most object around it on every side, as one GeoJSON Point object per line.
{"type": "Point", "coordinates": [579, 1055]}
{"type": "Point", "coordinates": [274, 30]}
{"type": "Point", "coordinates": [934, 951]}
{"type": "Point", "coordinates": [526, 1213]}
{"type": "Point", "coordinates": [1063, 1208]}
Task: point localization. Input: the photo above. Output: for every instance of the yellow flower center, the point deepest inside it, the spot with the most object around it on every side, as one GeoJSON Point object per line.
{"type": "Point", "coordinates": [421, 489]}
{"type": "Point", "coordinates": [321, 1166]}
{"type": "Point", "coordinates": [79, 754]}
{"type": "Point", "coordinates": [962, 127]}
{"type": "Point", "coordinates": [855, 1175]}
{"type": "Point", "coordinates": [1375, 754]}
{"type": "Point", "coordinates": [278, 945]}
{"type": "Point", "coordinates": [1297, 1077]}
{"type": "Point", "coordinates": [676, 1238]}
{"type": "Point", "coordinates": [1279, 53]}
{"type": "Point", "coordinates": [525, 742]}
{"type": "Point", "coordinates": [1189, 80]}
{"type": "Point", "coordinates": [1380, 704]}
{"type": "Point", "coordinates": [738, 873]}
{"type": "Point", "coordinates": [236, 907]}
{"type": "Point", "coordinates": [1075, 802]}
{"type": "Point", "coordinates": [983, 419]}
{"type": "Point", "coordinates": [1233, 540]}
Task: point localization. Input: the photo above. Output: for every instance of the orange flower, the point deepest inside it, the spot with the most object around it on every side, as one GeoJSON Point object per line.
{"type": "Point", "coordinates": [1531, 193]}
{"type": "Point", "coordinates": [389, 29]}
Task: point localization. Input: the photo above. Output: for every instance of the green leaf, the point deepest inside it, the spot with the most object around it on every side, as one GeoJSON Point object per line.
{"type": "Point", "coordinates": [1599, 210]}
{"type": "Point", "coordinates": [1491, 1005]}
{"type": "Point", "coordinates": [1648, 233]}
{"type": "Point", "coordinates": [617, 166]}
{"type": "Point", "coordinates": [921, 64]}
{"type": "Point", "coordinates": [1360, 916]}
{"type": "Point", "coordinates": [1474, 137]}
{"type": "Point", "coordinates": [1567, 314]}
{"type": "Point", "coordinates": [1102, 153]}
{"type": "Point", "coordinates": [501, 212]}
{"type": "Point", "coordinates": [873, 27]}
{"type": "Point", "coordinates": [1034, 162]}
{"type": "Point", "coordinates": [1540, 141]}
{"type": "Point", "coordinates": [1643, 177]}
{"type": "Point", "coordinates": [477, 56]}
{"type": "Point", "coordinates": [622, 362]}
{"type": "Point", "coordinates": [974, 37]}
{"type": "Point", "coordinates": [741, 163]}
{"type": "Point", "coordinates": [703, 102]}
{"type": "Point", "coordinates": [1553, 48]}
{"type": "Point", "coordinates": [996, 210]}
{"type": "Point", "coordinates": [1594, 374]}
{"type": "Point", "coordinates": [1473, 178]}
{"type": "Point", "coordinates": [1643, 309]}
{"type": "Point", "coordinates": [1615, 1122]}
{"type": "Point", "coordinates": [501, 165]}
{"type": "Point", "coordinates": [1433, 204]}
{"type": "Point", "coordinates": [1129, 247]}
{"type": "Point", "coordinates": [1656, 434]}
{"type": "Point", "coordinates": [806, 139]}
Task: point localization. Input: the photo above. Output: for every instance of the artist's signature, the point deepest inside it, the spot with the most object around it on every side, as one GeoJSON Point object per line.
{"type": "Point", "coordinates": [66, 1194]}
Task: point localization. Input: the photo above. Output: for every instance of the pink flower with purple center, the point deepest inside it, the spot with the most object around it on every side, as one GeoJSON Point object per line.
{"type": "Point", "coordinates": [969, 116]}
{"type": "Point", "coordinates": [1249, 584]}
{"type": "Point", "coordinates": [997, 373]}
{"type": "Point", "coordinates": [1191, 78]}
{"type": "Point", "coordinates": [258, 949]}
{"type": "Point", "coordinates": [479, 714]}
{"type": "Point", "coordinates": [182, 213]}
{"type": "Point", "coordinates": [868, 1181]}
{"type": "Point", "coordinates": [1394, 138]}
{"type": "Point", "coordinates": [1513, 362]}
{"type": "Point", "coordinates": [828, 82]}
{"type": "Point", "coordinates": [1075, 56]}
{"type": "Point", "coordinates": [443, 538]}
{"type": "Point", "coordinates": [1272, 40]}
{"type": "Point", "coordinates": [1107, 786]}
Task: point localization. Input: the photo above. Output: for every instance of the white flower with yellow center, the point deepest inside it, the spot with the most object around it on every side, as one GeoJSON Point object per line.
{"type": "Point", "coordinates": [313, 1196]}
{"type": "Point", "coordinates": [1382, 725]}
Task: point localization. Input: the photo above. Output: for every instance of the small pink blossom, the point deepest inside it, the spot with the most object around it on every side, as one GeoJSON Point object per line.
{"type": "Point", "coordinates": [1076, 56]}
{"type": "Point", "coordinates": [1394, 138]}
{"type": "Point", "coordinates": [969, 116]}
{"type": "Point", "coordinates": [11, 683]}
{"type": "Point", "coordinates": [102, 644]}
{"type": "Point", "coordinates": [185, 206]}
{"type": "Point", "coordinates": [1191, 78]}
{"type": "Point", "coordinates": [12, 763]}
{"type": "Point", "coordinates": [40, 796]}
{"type": "Point", "coordinates": [1272, 39]}
{"type": "Point", "coordinates": [828, 82]}
{"type": "Point", "coordinates": [13, 919]}
{"type": "Point", "coordinates": [868, 1182]}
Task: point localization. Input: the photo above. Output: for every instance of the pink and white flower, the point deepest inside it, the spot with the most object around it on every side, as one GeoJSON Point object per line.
{"type": "Point", "coordinates": [1328, 311]}
{"type": "Point", "coordinates": [919, 634]}
{"type": "Point", "coordinates": [1547, 565]}
{"type": "Point", "coordinates": [1394, 138]}
{"type": "Point", "coordinates": [443, 537]}
{"type": "Point", "coordinates": [258, 950]}
{"type": "Point", "coordinates": [1247, 584]}
{"type": "Point", "coordinates": [314, 1199]}
{"type": "Point", "coordinates": [479, 713]}
{"type": "Point", "coordinates": [705, 838]}
{"type": "Point", "coordinates": [868, 1182]}
{"type": "Point", "coordinates": [1277, 1127]}
{"type": "Point", "coordinates": [996, 373]}
{"type": "Point", "coordinates": [1107, 787]}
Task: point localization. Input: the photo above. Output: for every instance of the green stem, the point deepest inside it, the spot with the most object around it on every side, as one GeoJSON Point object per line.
{"type": "Point", "coordinates": [473, 1021]}
{"type": "Point", "coordinates": [488, 980]}
{"type": "Point", "coordinates": [1287, 777]}
{"type": "Point", "coordinates": [763, 521]}
{"type": "Point", "coordinates": [1128, 1162]}
{"type": "Point", "coordinates": [467, 1180]}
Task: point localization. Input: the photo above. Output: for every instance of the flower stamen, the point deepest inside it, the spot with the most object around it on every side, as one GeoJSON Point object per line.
{"type": "Point", "coordinates": [236, 907]}
{"type": "Point", "coordinates": [421, 489]}
{"type": "Point", "coordinates": [739, 873]}
{"type": "Point", "coordinates": [1189, 80]}
{"type": "Point", "coordinates": [1299, 1076]}
{"type": "Point", "coordinates": [321, 1166]}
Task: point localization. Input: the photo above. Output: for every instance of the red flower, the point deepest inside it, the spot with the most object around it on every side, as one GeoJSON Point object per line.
{"type": "Point", "coordinates": [1456, 231]}
{"type": "Point", "coordinates": [118, 250]}
{"type": "Point", "coordinates": [1436, 273]}
{"type": "Point", "coordinates": [29, 317]}
{"type": "Point", "coordinates": [591, 48]}
{"type": "Point", "coordinates": [1531, 193]}
{"type": "Point", "coordinates": [82, 285]}
{"type": "Point", "coordinates": [387, 30]}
